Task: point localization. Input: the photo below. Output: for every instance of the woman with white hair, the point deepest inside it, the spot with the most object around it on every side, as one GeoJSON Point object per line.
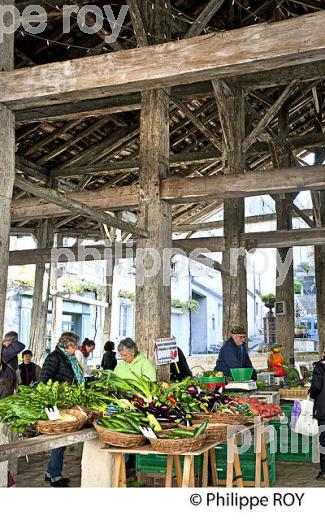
{"type": "Point", "coordinates": [134, 363]}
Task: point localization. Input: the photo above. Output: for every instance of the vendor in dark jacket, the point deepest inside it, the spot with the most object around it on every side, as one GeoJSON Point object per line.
{"type": "Point", "coordinates": [61, 365]}
{"type": "Point", "coordinates": [109, 357]}
{"type": "Point", "coordinates": [317, 392]}
{"type": "Point", "coordinates": [180, 370]}
{"type": "Point", "coordinates": [9, 363]}
{"type": "Point", "coordinates": [233, 353]}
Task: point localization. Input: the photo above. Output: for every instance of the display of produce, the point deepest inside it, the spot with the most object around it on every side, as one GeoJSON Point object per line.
{"type": "Point", "coordinates": [28, 405]}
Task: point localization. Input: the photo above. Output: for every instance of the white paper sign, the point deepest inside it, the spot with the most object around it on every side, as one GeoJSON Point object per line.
{"type": "Point", "coordinates": [166, 351]}
{"type": "Point", "coordinates": [53, 413]}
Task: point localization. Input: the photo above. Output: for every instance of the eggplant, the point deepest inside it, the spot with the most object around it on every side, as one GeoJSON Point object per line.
{"type": "Point", "coordinates": [192, 390]}
{"type": "Point", "coordinates": [140, 409]}
{"type": "Point", "coordinates": [152, 409]}
{"type": "Point", "coordinates": [225, 399]}
{"type": "Point", "coordinates": [174, 415]}
{"type": "Point", "coordinates": [163, 410]}
{"type": "Point", "coordinates": [163, 420]}
{"type": "Point", "coordinates": [218, 398]}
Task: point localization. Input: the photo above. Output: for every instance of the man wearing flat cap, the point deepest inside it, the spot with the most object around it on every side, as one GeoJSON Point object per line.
{"type": "Point", "coordinates": [233, 353]}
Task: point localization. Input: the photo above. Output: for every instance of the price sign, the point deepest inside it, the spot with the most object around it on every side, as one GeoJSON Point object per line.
{"type": "Point", "coordinates": [166, 351]}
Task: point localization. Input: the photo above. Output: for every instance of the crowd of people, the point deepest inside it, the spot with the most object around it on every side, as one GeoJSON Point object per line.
{"type": "Point", "coordinates": [68, 362]}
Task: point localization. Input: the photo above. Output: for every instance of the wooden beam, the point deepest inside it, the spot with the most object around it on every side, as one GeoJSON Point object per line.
{"type": "Point", "coordinates": [202, 189]}
{"type": "Point", "coordinates": [204, 18]}
{"type": "Point", "coordinates": [77, 207]}
{"type": "Point", "coordinates": [294, 41]}
{"type": "Point", "coordinates": [249, 241]}
{"type": "Point", "coordinates": [303, 215]}
{"type": "Point", "coordinates": [182, 191]}
{"type": "Point", "coordinates": [269, 115]}
{"type": "Point", "coordinates": [137, 22]}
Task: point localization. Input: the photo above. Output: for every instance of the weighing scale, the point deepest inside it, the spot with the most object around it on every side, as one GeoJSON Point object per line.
{"type": "Point", "coordinates": [245, 386]}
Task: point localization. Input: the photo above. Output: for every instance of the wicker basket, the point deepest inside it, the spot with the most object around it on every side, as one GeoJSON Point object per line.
{"type": "Point", "coordinates": [59, 426]}
{"type": "Point", "coordinates": [222, 418]}
{"type": "Point", "coordinates": [216, 432]}
{"type": "Point", "coordinates": [170, 446]}
{"type": "Point", "coordinates": [119, 440]}
{"type": "Point", "coordinates": [92, 415]}
{"type": "Point", "coordinates": [294, 394]}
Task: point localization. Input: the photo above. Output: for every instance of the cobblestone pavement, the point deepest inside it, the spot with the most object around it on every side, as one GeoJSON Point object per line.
{"type": "Point", "coordinates": [31, 474]}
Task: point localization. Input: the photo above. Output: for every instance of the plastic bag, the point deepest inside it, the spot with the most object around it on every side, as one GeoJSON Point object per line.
{"type": "Point", "coordinates": [306, 424]}
{"type": "Point", "coordinates": [295, 412]}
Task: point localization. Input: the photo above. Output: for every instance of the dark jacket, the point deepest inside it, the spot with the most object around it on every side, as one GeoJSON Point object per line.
{"type": "Point", "coordinates": [317, 390]}
{"type": "Point", "coordinates": [109, 361]}
{"type": "Point", "coordinates": [29, 373]}
{"type": "Point", "coordinates": [231, 356]}
{"type": "Point", "coordinates": [184, 370]}
{"type": "Point", "coordinates": [9, 357]}
{"type": "Point", "coordinates": [58, 368]}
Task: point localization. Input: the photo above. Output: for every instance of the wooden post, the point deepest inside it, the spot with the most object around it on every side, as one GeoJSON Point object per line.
{"type": "Point", "coordinates": [57, 301]}
{"type": "Point", "coordinates": [7, 170]}
{"type": "Point", "coordinates": [231, 107]}
{"type": "Point", "coordinates": [285, 324]}
{"type": "Point", "coordinates": [37, 337]}
{"type": "Point", "coordinates": [319, 218]}
{"type": "Point", "coordinates": [153, 298]}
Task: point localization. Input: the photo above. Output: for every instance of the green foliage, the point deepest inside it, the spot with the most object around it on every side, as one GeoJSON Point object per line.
{"type": "Point", "coordinates": [297, 286]}
{"type": "Point", "coordinates": [75, 287]}
{"type": "Point", "coordinates": [270, 297]}
{"type": "Point", "coordinates": [185, 307]}
{"type": "Point", "coordinates": [305, 266]}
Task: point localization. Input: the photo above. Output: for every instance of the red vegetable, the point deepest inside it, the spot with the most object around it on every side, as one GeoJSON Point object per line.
{"type": "Point", "coordinates": [172, 400]}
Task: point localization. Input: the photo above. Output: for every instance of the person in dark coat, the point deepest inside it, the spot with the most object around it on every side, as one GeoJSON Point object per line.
{"type": "Point", "coordinates": [233, 353]}
{"type": "Point", "coordinates": [9, 363]}
{"type": "Point", "coordinates": [29, 371]}
{"type": "Point", "coordinates": [182, 370]}
{"type": "Point", "coordinates": [61, 365]}
{"type": "Point", "coordinates": [317, 392]}
{"type": "Point", "coordinates": [109, 357]}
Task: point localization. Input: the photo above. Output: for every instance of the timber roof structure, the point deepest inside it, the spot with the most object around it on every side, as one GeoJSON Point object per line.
{"type": "Point", "coordinates": [93, 144]}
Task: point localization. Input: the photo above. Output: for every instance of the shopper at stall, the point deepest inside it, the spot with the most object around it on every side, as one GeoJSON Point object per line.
{"type": "Point", "coordinates": [61, 365]}
{"type": "Point", "coordinates": [82, 354]}
{"type": "Point", "coordinates": [9, 363]}
{"type": "Point", "coordinates": [180, 370]}
{"type": "Point", "coordinates": [317, 392]}
{"type": "Point", "coordinates": [29, 371]}
{"type": "Point", "coordinates": [133, 362]}
{"type": "Point", "coordinates": [109, 357]}
{"type": "Point", "coordinates": [233, 353]}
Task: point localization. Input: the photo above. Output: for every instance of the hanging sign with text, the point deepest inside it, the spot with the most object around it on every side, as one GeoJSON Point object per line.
{"type": "Point", "coordinates": [166, 351]}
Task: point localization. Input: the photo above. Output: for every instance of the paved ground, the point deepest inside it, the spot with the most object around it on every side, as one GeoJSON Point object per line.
{"type": "Point", "coordinates": [31, 474]}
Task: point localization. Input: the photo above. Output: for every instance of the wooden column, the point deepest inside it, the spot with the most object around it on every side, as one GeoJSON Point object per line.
{"type": "Point", "coordinates": [285, 292]}
{"type": "Point", "coordinates": [7, 170]}
{"type": "Point", "coordinates": [57, 301]}
{"type": "Point", "coordinates": [153, 299]}
{"type": "Point", "coordinates": [318, 199]}
{"type": "Point", "coordinates": [231, 107]}
{"type": "Point", "coordinates": [37, 337]}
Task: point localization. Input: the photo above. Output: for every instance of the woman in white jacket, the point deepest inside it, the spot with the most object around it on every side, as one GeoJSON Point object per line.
{"type": "Point", "coordinates": [82, 354]}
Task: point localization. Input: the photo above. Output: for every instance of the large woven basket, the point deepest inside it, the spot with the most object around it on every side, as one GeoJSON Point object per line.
{"type": "Point", "coordinates": [215, 432]}
{"type": "Point", "coordinates": [92, 415]}
{"type": "Point", "coordinates": [175, 446]}
{"type": "Point", "coordinates": [119, 440]}
{"type": "Point", "coordinates": [222, 418]}
{"type": "Point", "coordinates": [59, 426]}
{"type": "Point", "coordinates": [294, 394]}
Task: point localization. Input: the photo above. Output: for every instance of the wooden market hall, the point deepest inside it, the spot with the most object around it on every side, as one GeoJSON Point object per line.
{"type": "Point", "coordinates": [194, 106]}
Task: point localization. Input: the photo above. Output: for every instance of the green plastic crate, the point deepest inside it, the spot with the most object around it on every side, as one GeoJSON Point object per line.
{"type": "Point", "coordinates": [248, 472]}
{"type": "Point", "coordinates": [291, 446]}
{"type": "Point", "coordinates": [241, 374]}
{"type": "Point", "coordinates": [249, 456]}
{"type": "Point", "coordinates": [158, 463]}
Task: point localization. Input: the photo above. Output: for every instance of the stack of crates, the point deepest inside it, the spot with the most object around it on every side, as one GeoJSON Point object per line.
{"type": "Point", "coordinates": [151, 469]}
{"type": "Point", "coordinates": [247, 463]}
{"type": "Point", "coordinates": [291, 446]}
